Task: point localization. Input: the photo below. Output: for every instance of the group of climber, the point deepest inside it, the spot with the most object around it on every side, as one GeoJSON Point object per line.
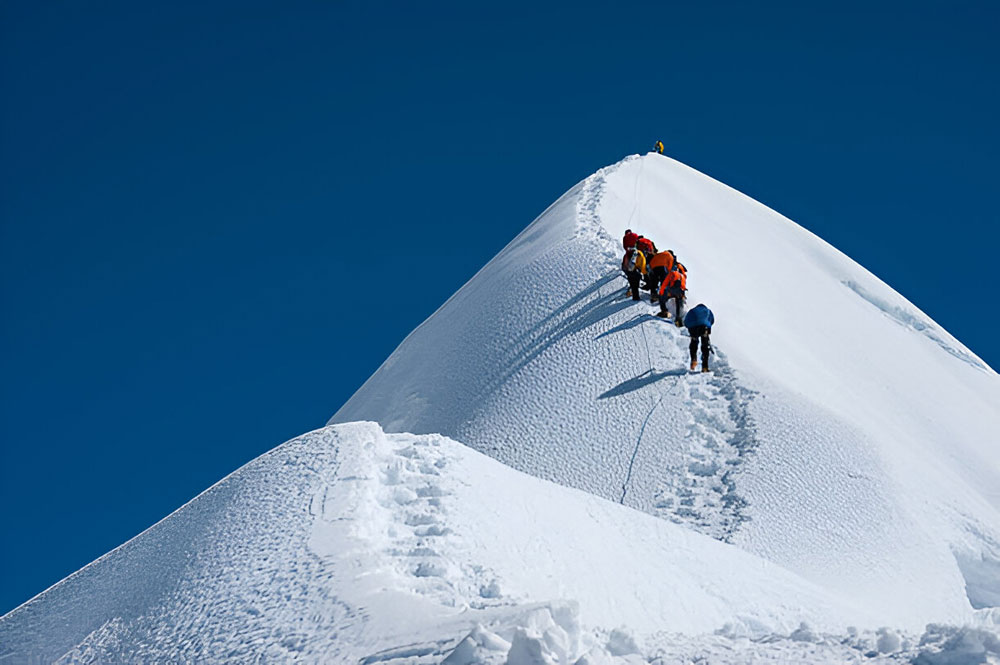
{"type": "Point", "coordinates": [647, 268]}
{"type": "Point", "coordinates": [660, 273]}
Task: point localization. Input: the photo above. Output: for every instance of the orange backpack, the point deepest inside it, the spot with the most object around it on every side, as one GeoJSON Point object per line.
{"type": "Point", "coordinates": [663, 260]}
{"type": "Point", "coordinates": [674, 279]}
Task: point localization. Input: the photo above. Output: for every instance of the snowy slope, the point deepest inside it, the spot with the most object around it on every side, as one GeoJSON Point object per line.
{"type": "Point", "coordinates": [844, 435]}
{"type": "Point", "coordinates": [789, 494]}
{"type": "Point", "coordinates": [349, 545]}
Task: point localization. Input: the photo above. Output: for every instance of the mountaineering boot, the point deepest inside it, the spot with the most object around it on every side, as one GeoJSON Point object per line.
{"type": "Point", "coordinates": [704, 366]}
{"type": "Point", "coordinates": [694, 364]}
{"type": "Point", "coordinates": [663, 314]}
{"type": "Point", "coordinates": [628, 293]}
{"type": "Point", "coordinates": [680, 324]}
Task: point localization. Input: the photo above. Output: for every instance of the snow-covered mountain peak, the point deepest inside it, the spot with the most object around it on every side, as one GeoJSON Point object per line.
{"type": "Point", "coordinates": [843, 434]}
{"type": "Point", "coordinates": [821, 495]}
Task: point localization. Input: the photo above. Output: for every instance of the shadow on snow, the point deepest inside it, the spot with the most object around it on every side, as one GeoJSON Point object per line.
{"type": "Point", "coordinates": [635, 321]}
{"type": "Point", "coordinates": [635, 383]}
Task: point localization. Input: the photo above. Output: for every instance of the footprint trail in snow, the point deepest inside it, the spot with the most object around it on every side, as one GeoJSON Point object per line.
{"type": "Point", "coordinates": [700, 489]}
{"type": "Point", "coordinates": [711, 430]}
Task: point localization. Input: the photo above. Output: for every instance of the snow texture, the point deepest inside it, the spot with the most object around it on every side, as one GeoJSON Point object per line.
{"type": "Point", "coordinates": [350, 545]}
{"type": "Point", "coordinates": [826, 494]}
{"type": "Point", "coordinates": [842, 434]}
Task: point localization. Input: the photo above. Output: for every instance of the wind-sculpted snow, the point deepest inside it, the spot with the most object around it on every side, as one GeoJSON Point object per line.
{"type": "Point", "coordinates": [904, 316]}
{"type": "Point", "coordinates": [843, 434]}
{"type": "Point", "coordinates": [229, 576]}
{"type": "Point", "coordinates": [350, 545]}
{"type": "Point", "coordinates": [823, 495]}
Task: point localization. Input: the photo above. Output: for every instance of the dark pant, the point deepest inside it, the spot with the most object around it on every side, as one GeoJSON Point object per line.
{"type": "Point", "coordinates": [633, 283]}
{"type": "Point", "coordinates": [656, 277]}
{"type": "Point", "coordinates": [678, 296]}
{"type": "Point", "coordinates": [700, 333]}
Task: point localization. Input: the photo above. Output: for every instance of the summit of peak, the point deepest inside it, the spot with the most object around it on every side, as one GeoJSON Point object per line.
{"type": "Point", "coordinates": [817, 403]}
{"type": "Point", "coordinates": [837, 464]}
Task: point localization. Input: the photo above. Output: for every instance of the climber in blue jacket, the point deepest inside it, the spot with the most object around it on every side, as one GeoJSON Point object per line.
{"type": "Point", "coordinates": [699, 322]}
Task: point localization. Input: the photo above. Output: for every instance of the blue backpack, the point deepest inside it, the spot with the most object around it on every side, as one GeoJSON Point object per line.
{"type": "Point", "coordinates": [699, 316]}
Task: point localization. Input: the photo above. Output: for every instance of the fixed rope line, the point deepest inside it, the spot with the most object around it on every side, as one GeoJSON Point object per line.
{"type": "Point", "coordinates": [642, 430]}
{"type": "Point", "coordinates": [635, 452]}
{"type": "Point", "coordinates": [638, 441]}
{"type": "Point", "coordinates": [649, 362]}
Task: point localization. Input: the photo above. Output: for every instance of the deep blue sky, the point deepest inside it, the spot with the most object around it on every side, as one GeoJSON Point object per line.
{"type": "Point", "coordinates": [194, 199]}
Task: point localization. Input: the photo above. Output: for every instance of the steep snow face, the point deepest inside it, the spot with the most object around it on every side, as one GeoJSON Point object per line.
{"type": "Point", "coordinates": [838, 466]}
{"type": "Point", "coordinates": [350, 545]}
{"type": "Point", "coordinates": [843, 434]}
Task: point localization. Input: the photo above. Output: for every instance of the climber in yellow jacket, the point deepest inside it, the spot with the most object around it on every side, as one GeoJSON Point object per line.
{"type": "Point", "coordinates": [634, 267]}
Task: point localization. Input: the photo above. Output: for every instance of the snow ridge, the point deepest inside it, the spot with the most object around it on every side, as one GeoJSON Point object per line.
{"type": "Point", "coordinates": [792, 448]}
{"type": "Point", "coordinates": [350, 545]}
{"type": "Point", "coordinates": [719, 428]}
{"type": "Point", "coordinates": [785, 496]}
{"type": "Point", "coordinates": [411, 484]}
{"type": "Point", "coordinates": [718, 435]}
{"type": "Point", "coordinates": [913, 321]}
{"type": "Point", "coordinates": [228, 574]}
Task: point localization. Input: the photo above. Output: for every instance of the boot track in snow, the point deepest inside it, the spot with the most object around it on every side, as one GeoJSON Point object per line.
{"type": "Point", "coordinates": [719, 432]}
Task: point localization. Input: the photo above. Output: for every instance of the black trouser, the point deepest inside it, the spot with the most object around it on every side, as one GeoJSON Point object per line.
{"type": "Point", "coordinates": [700, 333]}
{"type": "Point", "coordinates": [678, 297]}
{"type": "Point", "coordinates": [656, 277]}
{"type": "Point", "coordinates": [633, 283]}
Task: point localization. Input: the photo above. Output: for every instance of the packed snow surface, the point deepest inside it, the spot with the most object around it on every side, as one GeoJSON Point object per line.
{"type": "Point", "coordinates": [828, 493]}
{"type": "Point", "coordinates": [355, 546]}
{"type": "Point", "coordinates": [843, 434]}
{"type": "Point", "coordinates": [347, 543]}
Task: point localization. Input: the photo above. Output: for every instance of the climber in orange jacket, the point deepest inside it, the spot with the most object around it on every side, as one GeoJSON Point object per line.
{"type": "Point", "coordinates": [674, 286]}
{"type": "Point", "coordinates": [658, 267]}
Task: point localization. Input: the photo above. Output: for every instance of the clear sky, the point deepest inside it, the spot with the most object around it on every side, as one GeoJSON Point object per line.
{"type": "Point", "coordinates": [217, 219]}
